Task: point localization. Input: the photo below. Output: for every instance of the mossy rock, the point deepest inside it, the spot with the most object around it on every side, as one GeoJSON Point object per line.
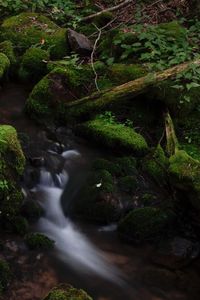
{"type": "Point", "coordinates": [38, 241]}
{"type": "Point", "coordinates": [6, 47]}
{"type": "Point", "coordinates": [61, 86]}
{"type": "Point", "coordinates": [127, 165]}
{"type": "Point", "coordinates": [4, 65]}
{"type": "Point", "coordinates": [34, 64]}
{"type": "Point", "coordinates": [185, 175]}
{"type": "Point", "coordinates": [11, 153]}
{"type": "Point", "coordinates": [122, 73]}
{"type": "Point", "coordinates": [67, 292]}
{"type": "Point", "coordinates": [30, 29]}
{"type": "Point", "coordinates": [12, 162]}
{"type": "Point", "coordinates": [104, 164]}
{"type": "Point", "coordinates": [156, 164]}
{"type": "Point", "coordinates": [5, 274]}
{"type": "Point", "coordinates": [145, 224]}
{"type": "Point", "coordinates": [115, 136]}
{"type": "Point", "coordinates": [128, 184]}
{"type": "Point", "coordinates": [96, 201]}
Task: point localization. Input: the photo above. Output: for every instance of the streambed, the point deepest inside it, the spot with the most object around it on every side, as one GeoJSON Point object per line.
{"type": "Point", "coordinates": [87, 256]}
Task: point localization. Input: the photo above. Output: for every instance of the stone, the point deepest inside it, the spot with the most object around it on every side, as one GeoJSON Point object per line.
{"type": "Point", "coordinates": [176, 253]}
{"type": "Point", "coordinates": [79, 43]}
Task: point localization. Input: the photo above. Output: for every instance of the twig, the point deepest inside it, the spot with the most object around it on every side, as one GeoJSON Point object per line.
{"type": "Point", "coordinates": [110, 9]}
{"type": "Point", "coordinates": [92, 57]}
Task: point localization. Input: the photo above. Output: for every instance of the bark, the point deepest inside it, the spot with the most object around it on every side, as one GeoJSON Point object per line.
{"type": "Point", "coordinates": [172, 141]}
{"type": "Point", "coordinates": [127, 91]}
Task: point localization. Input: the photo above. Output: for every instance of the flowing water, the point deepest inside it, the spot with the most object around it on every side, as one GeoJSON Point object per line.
{"type": "Point", "coordinates": [87, 256]}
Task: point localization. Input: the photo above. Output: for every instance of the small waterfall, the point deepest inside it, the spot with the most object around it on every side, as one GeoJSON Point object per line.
{"type": "Point", "coordinates": [73, 246]}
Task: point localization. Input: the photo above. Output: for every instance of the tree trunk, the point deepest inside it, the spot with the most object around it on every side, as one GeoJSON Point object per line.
{"type": "Point", "coordinates": [129, 90]}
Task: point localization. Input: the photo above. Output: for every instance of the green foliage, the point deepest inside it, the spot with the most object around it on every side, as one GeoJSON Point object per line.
{"type": "Point", "coordinates": [187, 81]}
{"type": "Point", "coordinates": [62, 11]}
{"type": "Point", "coordinates": [38, 241]}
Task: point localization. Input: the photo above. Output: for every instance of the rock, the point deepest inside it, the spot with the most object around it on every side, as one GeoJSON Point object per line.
{"type": "Point", "coordinates": [159, 278]}
{"type": "Point", "coordinates": [12, 165]}
{"type": "Point", "coordinates": [38, 241]}
{"type": "Point", "coordinates": [145, 224]}
{"type": "Point", "coordinates": [29, 29]}
{"type": "Point", "coordinates": [67, 292]}
{"type": "Point", "coordinates": [37, 161]}
{"type": "Point", "coordinates": [33, 64]}
{"type": "Point", "coordinates": [176, 253]}
{"type": "Point", "coordinates": [79, 43]}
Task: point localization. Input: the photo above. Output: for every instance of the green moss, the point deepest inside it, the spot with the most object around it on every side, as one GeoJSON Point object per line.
{"type": "Point", "coordinates": [103, 164]}
{"type": "Point", "coordinates": [62, 85]}
{"type": "Point", "coordinates": [67, 292]}
{"type": "Point", "coordinates": [156, 164]}
{"type": "Point", "coordinates": [30, 29]}
{"type": "Point", "coordinates": [185, 175]}
{"type": "Point", "coordinates": [6, 47]}
{"type": "Point", "coordinates": [38, 241]}
{"type": "Point", "coordinates": [5, 273]}
{"type": "Point", "coordinates": [20, 225]}
{"type": "Point", "coordinates": [33, 65]}
{"type": "Point", "coordinates": [127, 165]}
{"type": "Point", "coordinates": [128, 184]}
{"type": "Point", "coordinates": [4, 64]}
{"type": "Point", "coordinates": [9, 145]}
{"type": "Point", "coordinates": [122, 73]}
{"type": "Point", "coordinates": [103, 19]}
{"type": "Point", "coordinates": [115, 136]}
{"type": "Point", "coordinates": [144, 224]}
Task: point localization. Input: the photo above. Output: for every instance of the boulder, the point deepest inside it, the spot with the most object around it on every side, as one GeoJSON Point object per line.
{"type": "Point", "coordinates": [4, 64]}
{"type": "Point", "coordinates": [79, 43]}
{"type": "Point", "coordinates": [30, 29]}
{"type": "Point", "coordinates": [176, 253]}
{"type": "Point", "coordinates": [67, 292]}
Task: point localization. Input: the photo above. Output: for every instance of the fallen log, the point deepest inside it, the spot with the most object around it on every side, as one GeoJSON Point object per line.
{"type": "Point", "coordinates": [110, 9]}
{"type": "Point", "coordinates": [127, 91]}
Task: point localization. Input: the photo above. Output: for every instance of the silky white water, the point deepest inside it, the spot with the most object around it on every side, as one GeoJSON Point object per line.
{"type": "Point", "coordinates": [73, 246]}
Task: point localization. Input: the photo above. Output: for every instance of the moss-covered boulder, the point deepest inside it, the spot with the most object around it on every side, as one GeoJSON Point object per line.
{"type": "Point", "coordinates": [30, 29]}
{"type": "Point", "coordinates": [97, 201]}
{"type": "Point", "coordinates": [145, 224]}
{"type": "Point", "coordinates": [185, 175]}
{"type": "Point", "coordinates": [6, 47]}
{"type": "Point", "coordinates": [5, 274]}
{"type": "Point", "coordinates": [114, 135]}
{"type": "Point", "coordinates": [4, 64]}
{"type": "Point", "coordinates": [38, 241]}
{"type": "Point", "coordinates": [34, 64]}
{"type": "Point", "coordinates": [156, 164]}
{"type": "Point", "coordinates": [67, 292]}
{"type": "Point", "coordinates": [12, 162]}
{"type": "Point", "coordinates": [61, 86]}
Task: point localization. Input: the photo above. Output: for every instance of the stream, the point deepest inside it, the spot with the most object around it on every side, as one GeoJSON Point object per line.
{"type": "Point", "coordinates": [87, 256]}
